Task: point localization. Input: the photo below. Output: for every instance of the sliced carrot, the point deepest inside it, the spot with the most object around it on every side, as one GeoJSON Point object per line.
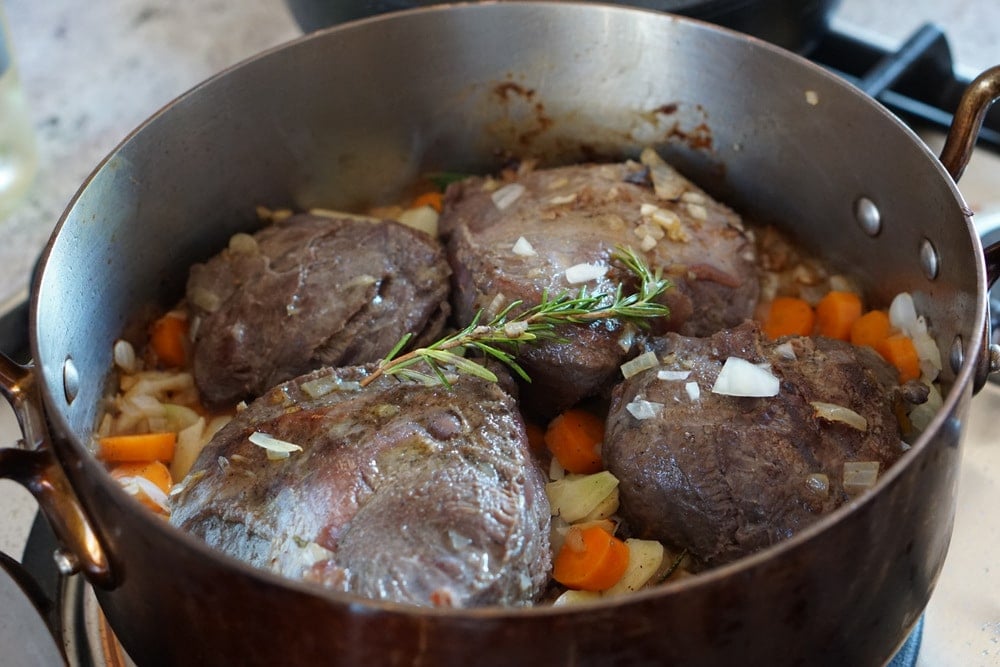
{"type": "Point", "coordinates": [168, 338]}
{"type": "Point", "coordinates": [143, 447]}
{"type": "Point", "coordinates": [900, 351]}
{"type": "Point", "coordinates": [789, 316]}
{"type": "Point", "coordinates": [574, 438]}
{"type": "Point", "coordinates": [871, 328]}
{"type": "Point", "coordinates": [836, 312]}
{"type": "Point", "coordinates": [432, 199]}
{"type": "Point", "coordinates": [591, 559]}
{"type": "Point", "coordinates": [154, 471]}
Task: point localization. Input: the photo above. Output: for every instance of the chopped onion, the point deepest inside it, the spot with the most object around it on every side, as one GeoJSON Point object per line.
{"type": "Point", "coordinates": [667, 183]}
{"type": "Point", "coordinates": [785, 351]}
{"type": "Point", "coordinates": [643, 362]}
{"type": "Point", "coordinates": [276, 449]}
{"type": "Point", "coordinates": [582, 273]}
{"type": "Point", "coordinates": [322, 386]}
{"type": "Point", "coordinates": [138, 486]}
{"type": "Point", "coordinates": [422, 218]}
{"type": "Point", "coordinates": [642, 409]}
{"type": "Point", "coordinates": [576, 496]}
{"type": "Point", "coordinates": [507, 195]}
{"type": "Point", "coordinates": [644, 560]}
{"type": "Point", "coordinates": [670, 376]}
{"type": "Point", "coordinates": [515, 329]}
{"type": "Point", "coordinates": [243, 244]}
{"type": "Point", "coordinates": [903, 314]}
{"type": "Point", "coordinates": [124, 355]}
{"type": "Point", "coordinates": [523, 248]}
{"type": "Point", "coordinates": [838, 413]}
{"type": "Point", "coordinates": [739, 377]}
{"type": "Point", "coordinates": [693, 390]}
{"type": "Point", "coordinates": [859, 476]}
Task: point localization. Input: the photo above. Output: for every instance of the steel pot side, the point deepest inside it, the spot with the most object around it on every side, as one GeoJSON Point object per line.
{"type": "Point", "coordinates": [773, 135]}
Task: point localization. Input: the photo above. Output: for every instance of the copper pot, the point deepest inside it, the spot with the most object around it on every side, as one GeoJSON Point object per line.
{"type": "Point", "coordinates": [354, 114]}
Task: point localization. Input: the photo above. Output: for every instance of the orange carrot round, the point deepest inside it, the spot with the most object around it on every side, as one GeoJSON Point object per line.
{"type": "Point", "coordinates": [432, 199]}
{"type": "Point", "coordinates": [590, 560]}
{"type": "Point", "coordinates": [789, 316]}
{"type": "Point", "coordinates": [574, 438]}
{"type": "Point", "coordinates": [143, 447]}
{"type": "Point", "coordinates": [168, 339]}
{"type": "Point", "coordinates": [900, 351]}
{"type": "Point", "coordinates": [871, 328]}
{"type": "Point", "coordinates": [836, 312]}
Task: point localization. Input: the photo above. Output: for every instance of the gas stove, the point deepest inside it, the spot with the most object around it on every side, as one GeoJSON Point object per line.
{"type": "Point", "coordinates": [919, 81]}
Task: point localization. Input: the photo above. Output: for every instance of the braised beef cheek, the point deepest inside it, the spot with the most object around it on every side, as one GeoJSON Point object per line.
{"type": "Point", "coordinates": [311, 291]}
{"type": "Point", "coordinates": [723, 476]}
{"type": "Point", "coordinates": [577, 215]}
{"type": "Point", "coordinates": [405, 492]}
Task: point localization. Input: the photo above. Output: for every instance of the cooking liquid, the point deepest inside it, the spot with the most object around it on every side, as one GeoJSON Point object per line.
{"type": "Point", "coordinates": [18, 157]}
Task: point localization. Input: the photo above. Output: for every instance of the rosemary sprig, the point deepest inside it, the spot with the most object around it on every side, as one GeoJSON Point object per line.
{"type": "Point", "coordinates": [509, 329]}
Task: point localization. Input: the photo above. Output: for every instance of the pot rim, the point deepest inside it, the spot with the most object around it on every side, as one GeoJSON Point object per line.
{"type": "Point", "coordinates": [71, 450]}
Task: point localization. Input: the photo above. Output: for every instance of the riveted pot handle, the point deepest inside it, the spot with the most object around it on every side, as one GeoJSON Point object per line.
{"type": "Point", "coordinates": [977, 99]}
{"type": "Point", "coordinates": [35, 467]}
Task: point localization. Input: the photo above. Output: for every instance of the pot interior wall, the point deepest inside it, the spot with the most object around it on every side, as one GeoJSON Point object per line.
{"type": "Point", "coordinates": [351, 116]}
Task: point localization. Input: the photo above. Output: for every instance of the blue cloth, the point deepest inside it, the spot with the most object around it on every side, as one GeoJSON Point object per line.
{"type": "Point", "coordinates": [907, 654]}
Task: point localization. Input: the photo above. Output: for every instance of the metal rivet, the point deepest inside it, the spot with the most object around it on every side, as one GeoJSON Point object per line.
{"type": "Point", "coordinates": [957, 355]}
{"type": "Point", "coordinates": [868, 216]}
{"type": "Point", "coordinates": [929, 259]}
{"type": "Point", "coordinates": [71, 380]}
{"type": "Point", "coordinates": [66, 562]}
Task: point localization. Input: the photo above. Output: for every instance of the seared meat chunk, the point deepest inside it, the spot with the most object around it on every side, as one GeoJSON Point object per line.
{"type": "Point", "coordinates": [724, 476]}
{"type": "Point", "coordinates": [577, 215]}
{"type": "Point", "coordinates": [311, 291]}
{"type": "Point", "coordinates": [402, 491]}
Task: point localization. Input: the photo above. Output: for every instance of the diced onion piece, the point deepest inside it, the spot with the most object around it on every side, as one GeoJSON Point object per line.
{"type": "Point", "coordinates": [124, 355]}
{"type": "Point", "coordinates": [643, 362]}
{"type": "Point", "coordinates": [672, 376]}
{"type": "Point", "coordinates": [276, 449]}
{"type": "Point", "coordinates": [627, 339]}
{"type": "Point", "coordinates": [523, 248]}
{"type": "Point", "coordinates": [667, 183]}
{"type": "Point", "coordinates": [859, 476]}
{"type": "Point", "coordinates": [139, 486]}
{"type": "Point", "coordinates": [204, 299]}
{"type": "Point", "coordinates": [573, 597]}
{"type": "Point", "coordinates": [644, 559]}
{"type": "Point", "coordinates": [903, 314]}
{"type": "Point", "coordinates": [605, 509]}
{"type": "Point", "coordinates": [693, 390]}
{"type": "Point", "coordinates": [179, 417]}
{"type": "Point", "coordinates": [243, 244]}
{"type": "Point", "coordinates": [576, 496]}
{"type": "Point", "coordinates": [839, 413]}
{"type": "Point", "coordinates": [928, 353]}
{"type": "Point", "coordinates": [190, 442]}
{"type": "Point", "coordinates": [315, 553]}
{"type": "Point", "coordinates": [322, 386]}
{"type": "Point", "coordinates": [818, 483]}
{"type": "Point", "coordinates": [515, 329]}
{"type": "Point", "coordinates": [785, 351]}
{"type": "Point", "coordinates": [642, 409]}
{"type": "Point", "coordinates": [507, 195]}
{"type": "Point", "coordinates": [739, 377]}
{"type": "Point", "coordinates": [556, 471]}
{"type": "Point", "coordinates": [585, 272]}
{"type": "Point", "coordinates": [421, 218]}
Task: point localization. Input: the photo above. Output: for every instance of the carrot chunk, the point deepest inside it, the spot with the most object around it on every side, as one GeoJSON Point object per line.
{"type": "Point", "coordinates": [591, 559]}
{"type": "Point", "coordinates": [871, 328]}
{"type": "Point", "coordinates": [900, 351]}
{"type": "Point", "coordinates": [168, 339]}
{"type": "Point", "coordinates": [432, 199]}
{"type": "Point", "coordinates": [143, 447]}
{"type": "Point", "coordinates": [836, 312]}
{"type": "Point", "coordinates": [789, 316]}
{"type": "Point", "coordinates": [574, 438]}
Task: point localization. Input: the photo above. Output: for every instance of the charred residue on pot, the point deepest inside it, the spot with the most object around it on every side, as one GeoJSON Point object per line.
{"type": "Point", "coordinates": [536, 121]}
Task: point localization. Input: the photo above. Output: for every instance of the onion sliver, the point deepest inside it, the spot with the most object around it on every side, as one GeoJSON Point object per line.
{"type": "Point", "coordinates": [643, 362]}
{"type": "Point", "coordinates": [739, 377]}
{"type": "Point", "coordinates": [838, 413]}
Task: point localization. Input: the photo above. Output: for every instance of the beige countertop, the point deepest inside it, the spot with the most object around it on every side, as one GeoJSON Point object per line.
{"type": "Point", "coordinates": [93, 71]}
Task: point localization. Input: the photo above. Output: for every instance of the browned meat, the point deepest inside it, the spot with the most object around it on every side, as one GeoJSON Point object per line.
{"type": "Point", "coordinates": [724, 476]}
{"type": "Point", "coordinates": [307, 292]}
{"type": "Point", "coordinates": [402, 491]}
{"type": "Point", "coordinates": [579, 214]}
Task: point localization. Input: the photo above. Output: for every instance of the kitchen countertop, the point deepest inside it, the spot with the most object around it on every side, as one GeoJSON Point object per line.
{"type": "Point", "coordinates": [93, 71]}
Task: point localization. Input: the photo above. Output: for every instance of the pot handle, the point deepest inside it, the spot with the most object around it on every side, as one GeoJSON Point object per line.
{"type": "Point", "coordinates": [35, 467]}
{"type": "Point", "coordinates": [977, 99]}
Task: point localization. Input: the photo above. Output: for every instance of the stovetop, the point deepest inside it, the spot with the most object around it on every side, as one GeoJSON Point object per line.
{"type": "Point", "coordinates": [962, 622]}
